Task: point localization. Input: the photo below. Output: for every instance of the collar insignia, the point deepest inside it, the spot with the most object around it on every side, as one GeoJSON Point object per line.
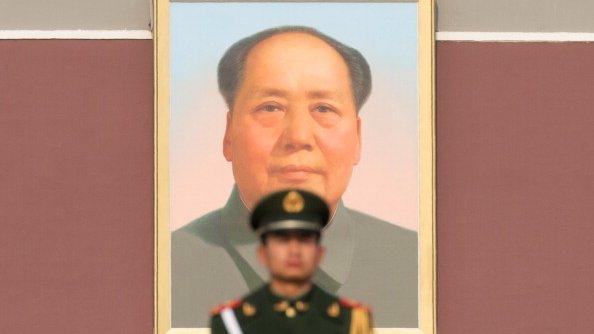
{"type": "Point", "coordinates": [248, 309]}
{"type": "Point", "coordinates": [301, 306]}
{"type": "Point", "coordinates": [333, 310]}
{"type": "Point", "coordinates": [281, 306]}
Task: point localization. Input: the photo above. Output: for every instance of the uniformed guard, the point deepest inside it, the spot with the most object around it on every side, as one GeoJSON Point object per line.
{"type": "Point", "coordinates": [290, 225]}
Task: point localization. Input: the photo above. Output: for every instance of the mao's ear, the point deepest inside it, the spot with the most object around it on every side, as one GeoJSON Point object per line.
{"type": "Point", "coordinates": [359, 141]}
{"type": "Point", "coordinates": [227, 149]}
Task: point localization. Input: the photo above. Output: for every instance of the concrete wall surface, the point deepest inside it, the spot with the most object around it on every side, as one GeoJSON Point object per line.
{"type": "Point", "coordinates": [75, 14]}
{"type": "Point", "coordinates": [452, 15]}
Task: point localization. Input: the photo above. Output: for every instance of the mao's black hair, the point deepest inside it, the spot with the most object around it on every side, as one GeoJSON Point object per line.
{"type": "Point", "coordinates": [231, 65]}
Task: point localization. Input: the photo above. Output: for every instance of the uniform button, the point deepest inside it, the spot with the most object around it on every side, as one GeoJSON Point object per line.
{"type": "Point", "coordinates": [290, 312]}
{"type": "Point", "coordinates": [300, 305]}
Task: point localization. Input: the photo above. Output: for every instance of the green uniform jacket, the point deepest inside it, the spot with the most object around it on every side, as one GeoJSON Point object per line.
{"type": "Point", "coordinates": [262, 312]}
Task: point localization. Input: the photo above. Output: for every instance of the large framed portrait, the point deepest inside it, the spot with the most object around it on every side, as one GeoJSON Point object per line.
{"type": "Point", "coordinates": [333, 98]}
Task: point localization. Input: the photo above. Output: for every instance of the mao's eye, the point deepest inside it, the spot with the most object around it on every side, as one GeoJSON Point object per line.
{"type": "Point", "coordinates": [326, 115]}
{"type": "Point", "coordinates": [268, 113]}
{"type": "Point", "coordinates": [269, 108]}
{"type": "Point", "coordinates": [323, 109]}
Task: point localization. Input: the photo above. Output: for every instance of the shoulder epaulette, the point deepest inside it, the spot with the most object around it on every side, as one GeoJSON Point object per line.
{"type": "Point", "coordinates": [352, 304]}
{"type": "Point", "coordinates": [233, 304]}
{"type": "Point", "coordinates": [361, 318]}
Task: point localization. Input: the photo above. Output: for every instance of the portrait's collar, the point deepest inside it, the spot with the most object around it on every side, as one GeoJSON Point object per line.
{"type": "Point", "coordinates": [235, 221]}
{"type": "Point", "coordinates": [339, 241]}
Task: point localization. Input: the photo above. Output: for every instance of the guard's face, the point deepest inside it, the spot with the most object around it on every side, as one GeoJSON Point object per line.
{"type": "Point", "coordinates": [294, 122]}
{"type": "Point", "coordinates": [291, 257]}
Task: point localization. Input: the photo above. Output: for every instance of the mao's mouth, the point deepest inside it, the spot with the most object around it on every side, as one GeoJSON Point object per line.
{"type": "Point", "coordinates": [294, 173]}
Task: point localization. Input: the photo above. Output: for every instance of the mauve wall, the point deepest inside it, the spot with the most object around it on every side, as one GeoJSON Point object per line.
{"type": "Point", "coordinates": [515, 187]}
{"type": "Point", "coordinates": [76, 192]}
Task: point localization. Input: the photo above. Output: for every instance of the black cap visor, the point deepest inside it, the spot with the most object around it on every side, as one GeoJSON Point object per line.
{"type": "Point", "coordinates": [289, 225]}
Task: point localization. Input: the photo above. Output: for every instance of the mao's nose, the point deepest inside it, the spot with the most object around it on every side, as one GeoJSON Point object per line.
{"type": "Point", "coordinates": [298, 132]}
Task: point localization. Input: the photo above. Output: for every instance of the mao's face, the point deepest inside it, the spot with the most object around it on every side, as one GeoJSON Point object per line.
{"type": "Point", "coordinates": [291, 257]}
{"type": "Point", "coordinates": [294, 122]}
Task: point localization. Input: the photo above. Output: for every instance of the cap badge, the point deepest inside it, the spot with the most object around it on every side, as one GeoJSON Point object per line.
{"type": "Point", "coordinates": [293, 202]}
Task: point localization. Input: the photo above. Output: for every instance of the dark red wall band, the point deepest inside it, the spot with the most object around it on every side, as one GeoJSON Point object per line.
{"type": "Point", "coordinates": [515, 187]}
{"type": "Point", "coordinates": [76, 193]}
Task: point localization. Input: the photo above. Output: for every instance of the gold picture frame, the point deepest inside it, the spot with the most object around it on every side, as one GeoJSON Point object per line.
{"type": "Point", "coordinates": [426, 151]}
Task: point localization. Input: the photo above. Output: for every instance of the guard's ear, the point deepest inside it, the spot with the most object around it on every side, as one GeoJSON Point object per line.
{"type": "Point", "coordinates": [227, 148]}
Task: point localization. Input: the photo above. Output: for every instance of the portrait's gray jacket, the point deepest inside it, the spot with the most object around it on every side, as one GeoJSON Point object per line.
{"type": "Point", "coordinates": [213, 259]}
